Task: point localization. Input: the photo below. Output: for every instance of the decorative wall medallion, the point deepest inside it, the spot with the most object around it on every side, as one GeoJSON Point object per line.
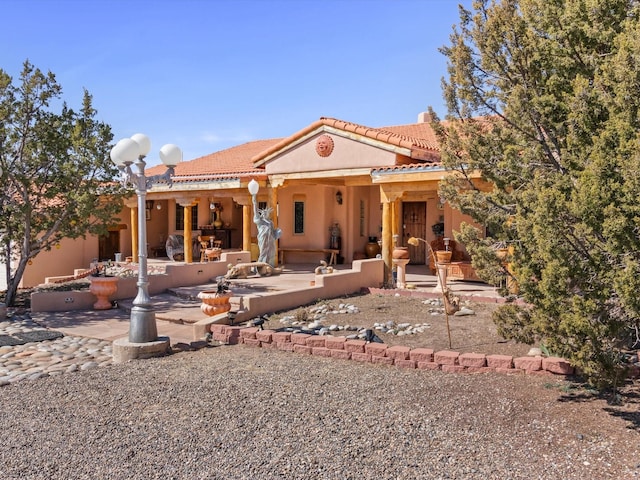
{"type": "Point", "coordinates": [324, 145]}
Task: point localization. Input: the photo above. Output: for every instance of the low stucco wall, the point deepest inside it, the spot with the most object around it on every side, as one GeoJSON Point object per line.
{"type": "Point", "coordinates": [364, 273]}
{"type": "Point", "coordinates": [182, 275]}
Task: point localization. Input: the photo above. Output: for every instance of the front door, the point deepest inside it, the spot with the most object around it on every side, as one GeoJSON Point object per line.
{"type": "Point", "coordinates": [414, 224]}
{"type": "Point", "coordinates": [109, 245]}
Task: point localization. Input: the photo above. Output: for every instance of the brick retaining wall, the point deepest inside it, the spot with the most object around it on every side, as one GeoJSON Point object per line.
{"type": "Point", "coordinates": [379, 353]}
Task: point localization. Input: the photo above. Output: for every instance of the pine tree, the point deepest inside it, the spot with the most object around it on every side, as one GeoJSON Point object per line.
{"type": "Point", "coordinates": [56, 173]}
{"type": "Point", "coordinates": [543, 99]}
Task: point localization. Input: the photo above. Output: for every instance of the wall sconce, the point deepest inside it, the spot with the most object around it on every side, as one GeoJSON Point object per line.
{"type": "Point", "coordinates": [339, 197]}
{"type": "Point", "coordinates": [149, 204]}
{"type": "Point", "coordinates": [159, 206]}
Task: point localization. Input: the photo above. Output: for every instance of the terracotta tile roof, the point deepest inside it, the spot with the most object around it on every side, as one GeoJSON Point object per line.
{"type": "Point", "coordinates": [233, 162]}
{"type": "Point", "coordinates": [245, 160]}
{"type": "Point", "coordinates": [410, 167]}
{"type": "Point", "coordinates": [419, 138]}
{"type": "Point", "coordinates": [421, 132]}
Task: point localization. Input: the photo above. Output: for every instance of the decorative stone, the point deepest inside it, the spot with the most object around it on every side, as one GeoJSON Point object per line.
{"type": "Point", "coordinates": [324, 145]}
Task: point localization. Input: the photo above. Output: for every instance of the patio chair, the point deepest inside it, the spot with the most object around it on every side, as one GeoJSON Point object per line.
{"type": "Point", "coordinates": [203, 241]}
{"type": "Point", "coordinates": [175, 247]}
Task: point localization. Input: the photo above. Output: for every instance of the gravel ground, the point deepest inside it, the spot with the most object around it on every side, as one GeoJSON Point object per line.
{"type": "Point", "coordinates": [236, 412]}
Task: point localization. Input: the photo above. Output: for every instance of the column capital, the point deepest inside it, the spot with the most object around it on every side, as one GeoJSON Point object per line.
{"type": "Point", "coordinates": [244, 200]}
{"type": "Point", "coordinates": [186, 202]}
{"type": "Point", "coordinates": [390, 194]}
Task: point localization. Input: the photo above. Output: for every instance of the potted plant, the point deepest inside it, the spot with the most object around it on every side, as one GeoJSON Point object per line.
{"type": "Point", "coordinates": [103, 285]}
{"type": "Point", "coordinates": [218, 300]}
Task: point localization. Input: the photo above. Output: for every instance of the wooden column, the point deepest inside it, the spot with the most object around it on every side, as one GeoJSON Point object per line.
{"type": "Point", "coordinates": [273, 201]}
{"type": "Point", "coordinates": [390, 200]}
{"type": "Point", "coordinates": [247, 218]}
{"type": "Point", "coordinates": [134, 231]}
{"type": "Point", "coordinates": [188, 240]}
{"type": "Point", "coordinates": [188, 237]}
{"type": "Point", "coordinates": [387, 243]}
{"type": "Point", "coordinates": [394, 222]}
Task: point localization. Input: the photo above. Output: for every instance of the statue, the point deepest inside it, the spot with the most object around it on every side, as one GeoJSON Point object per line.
{"type": "Point", "coordinates": [267, 234]}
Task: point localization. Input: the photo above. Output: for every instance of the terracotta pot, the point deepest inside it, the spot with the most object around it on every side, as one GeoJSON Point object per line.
{"type": "Point", "coordinates": [443, 256]}
{"type": "Point", "coordinates": [372, 249]}
{"type": "Point", "coordinates": [103, 288]}
{"type": "Point", "coordinates": [400, 252]}
{"type": "Point", "coordinates": [214, 303]}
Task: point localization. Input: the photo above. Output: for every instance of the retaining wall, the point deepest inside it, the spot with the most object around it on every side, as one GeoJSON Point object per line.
{"type": "Point", "coordinates": [378, 353]}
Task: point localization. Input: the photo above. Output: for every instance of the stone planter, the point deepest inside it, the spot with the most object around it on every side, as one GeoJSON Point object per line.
{"type": "Point", "coordinates": [400, 252]}
{"type": "Point", "coordinates": [103, 288]}
{"type": "Point", "coordinates": [442, 256]}
{"type": "Point", "coordinates": [214, 303]}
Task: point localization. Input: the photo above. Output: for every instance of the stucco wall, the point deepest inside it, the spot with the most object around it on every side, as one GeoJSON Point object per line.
{"type": "Point", "coordinates": [322, 211]}
{"type": "Point", "coordinates": [303, 158]}
{"type": "Point", "coordinates": [453, 219]}
{"type": "Point", "coordinates": [72, 254]}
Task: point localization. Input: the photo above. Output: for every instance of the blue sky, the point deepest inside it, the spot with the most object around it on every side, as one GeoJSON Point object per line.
{"type": "Point", "coordinates": [208, 75]}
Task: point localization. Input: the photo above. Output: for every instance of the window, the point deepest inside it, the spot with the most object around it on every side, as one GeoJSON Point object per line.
{"type": "Point", "coordinates": [298, 217]}
{"type": "Point", "coordinates": [180, 217]}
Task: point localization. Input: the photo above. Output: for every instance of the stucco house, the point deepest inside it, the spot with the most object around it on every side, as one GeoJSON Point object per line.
{"type": "Point", "coordinates": [377, 187]}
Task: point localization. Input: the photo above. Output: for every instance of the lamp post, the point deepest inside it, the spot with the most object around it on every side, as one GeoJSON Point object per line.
{"type": "Point", "coordinates": [126, 152]}
{"type": "Point", "coordinates": [253, 187]}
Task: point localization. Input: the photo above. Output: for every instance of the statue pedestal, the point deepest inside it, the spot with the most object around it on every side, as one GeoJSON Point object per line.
{"type": "Point", "coordinates": [401, 264]}
{"type": "Point", "coordinates": [441, 274]}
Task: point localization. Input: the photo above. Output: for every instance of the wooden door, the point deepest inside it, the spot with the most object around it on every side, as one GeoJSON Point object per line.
{"type": "Point", "coordinates": [109, 245]}
{"type": "Point", "coordinates": [414, 224]}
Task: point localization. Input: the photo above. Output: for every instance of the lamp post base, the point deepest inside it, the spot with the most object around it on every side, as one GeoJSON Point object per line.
{"type": "Point", "coordinates": [124, 350]}
{"type": "Point", "coordinates": [143, 326]}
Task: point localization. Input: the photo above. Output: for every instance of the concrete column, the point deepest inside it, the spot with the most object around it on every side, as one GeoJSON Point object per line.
{"type": "Point", "coordinates": [401, 266]}
{"type": "Point", "coordinates": [441, 273]}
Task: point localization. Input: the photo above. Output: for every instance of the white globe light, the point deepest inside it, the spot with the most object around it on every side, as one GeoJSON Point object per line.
{"type": "Point", "coordinates": [125, 152]}
{"type": "Point", "coordinates": [144, 142]}
{"type": "Point", "coordinates": [253, 187]}
{"type": "Point", "coordinates": [171, 155]}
